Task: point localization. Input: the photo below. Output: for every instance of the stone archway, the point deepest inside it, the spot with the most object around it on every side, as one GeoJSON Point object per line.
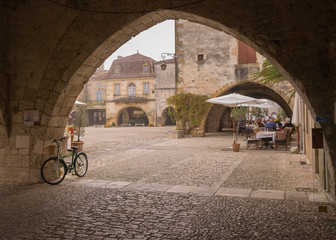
{"type": "Point", "coordinates": [166, 119]}
{"type": "Point", "coordinates": [132, 116]}
{"type": "Point", "coordinates": [218, 116]}
{"type": "Point", "coordinates": [46, 68]}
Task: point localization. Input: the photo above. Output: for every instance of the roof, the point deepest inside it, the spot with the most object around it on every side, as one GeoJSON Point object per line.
{"type": "Point", "coordinates": [131, 66]}
{"type": "Point", "coordinates": [98, 75]}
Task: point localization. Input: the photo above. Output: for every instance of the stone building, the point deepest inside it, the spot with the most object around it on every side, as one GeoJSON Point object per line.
{"type": "Point", "coordinates": [216, 58]}
{"type": "Point", "coordinates": [165, 87]}
{"type": "Point", "coordinates": [132, 92]}
{"type": "Point", "coordinates": [94, 94]}
{"type": "Point", "coordinates": [213, 63]}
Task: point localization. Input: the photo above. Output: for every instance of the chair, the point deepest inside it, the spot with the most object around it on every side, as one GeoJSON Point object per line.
{"type": "Point", "coordinates": [252, 140]}
{"type": "Point", "coordinates": [281, 138]}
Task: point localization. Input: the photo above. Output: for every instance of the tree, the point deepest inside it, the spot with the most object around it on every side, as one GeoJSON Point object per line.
{"type": "Point", "coordinates": [189, 109]}
{"type": "Point", "coordinates": [238, 114]}
{"type": "Point", "coordinates": [80, 119]}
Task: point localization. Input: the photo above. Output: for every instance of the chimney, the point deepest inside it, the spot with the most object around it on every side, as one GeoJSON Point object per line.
{"type": "Point", "coordinates": [101, 68]}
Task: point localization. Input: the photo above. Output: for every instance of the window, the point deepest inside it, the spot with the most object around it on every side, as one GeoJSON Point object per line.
{"type": "Point", "coordinates": [146, 88]}
{"type": "Point", "coordinates": [99, 96]}
{"type": "Point", "coordinates": [99, 85]}
{"type": "Point", "coordinates": [246, 54]}
{"type": "Point", "coordinates": [116, 89]}
{"type": "Point", "coordinates": [131, 90]}
{"type": "Point", "coordinates": [200, 57]}
{"type": "Point", "coordinates": [145, 68]}
{"type": "Point", "coordinates": [117, 70]}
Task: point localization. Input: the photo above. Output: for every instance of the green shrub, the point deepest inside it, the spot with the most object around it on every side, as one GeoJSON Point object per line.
{"type": "Point", "coordinates": [189, 110]}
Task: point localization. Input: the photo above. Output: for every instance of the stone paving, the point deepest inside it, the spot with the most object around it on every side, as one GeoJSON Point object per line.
{"type": "Point", "coordinates": [160, 188]}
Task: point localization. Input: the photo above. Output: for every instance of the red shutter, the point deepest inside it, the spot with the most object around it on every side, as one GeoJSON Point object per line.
{"type": "Point", "coordinates": [246, 54]}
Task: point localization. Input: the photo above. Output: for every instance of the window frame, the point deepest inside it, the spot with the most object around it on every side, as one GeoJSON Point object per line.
{"type": "Point", "coordinates": [146, 88]}
{"type": "Point", "coordinates": [99, 96]}
{"type": "Point", "coordinates": [200, 57]}
{"type": "Point", "coordinates": [116, 70]}
{"type": "Point", "coordinates": [147, 68]}
{"type": "Point", "coordinates": [117, 93]}
{"type": "Point", "coordinates": [129, 89]}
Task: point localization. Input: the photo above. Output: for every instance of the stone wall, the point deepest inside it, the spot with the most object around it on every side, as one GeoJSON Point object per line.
{"type": "Point", "coordinates": [220, 59]}
{"type": "Point", "coordinates": [165, 87]}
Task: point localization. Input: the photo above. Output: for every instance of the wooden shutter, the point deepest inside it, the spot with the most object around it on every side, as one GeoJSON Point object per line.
{"type": "Point", "coordinates": [246, 54]}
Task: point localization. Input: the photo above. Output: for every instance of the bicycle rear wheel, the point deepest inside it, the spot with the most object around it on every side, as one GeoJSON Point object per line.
{"type": "Point", "coordinates": [81, 164]}
{"type": "Point", "coordinates": [53, 171]}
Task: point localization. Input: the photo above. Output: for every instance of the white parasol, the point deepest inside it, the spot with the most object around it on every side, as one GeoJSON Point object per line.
{"type": "Point", "coordinates": [234, 100]}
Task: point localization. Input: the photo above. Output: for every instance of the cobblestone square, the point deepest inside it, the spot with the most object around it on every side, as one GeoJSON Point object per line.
{"type": "Point", "coordinates": [143, 185]}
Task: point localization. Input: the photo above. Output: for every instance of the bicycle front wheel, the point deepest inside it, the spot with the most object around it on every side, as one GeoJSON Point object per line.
{"type": "Point", "coordinates": [81, 164]}
{"type": "Point", "coordinates": [53, 171]}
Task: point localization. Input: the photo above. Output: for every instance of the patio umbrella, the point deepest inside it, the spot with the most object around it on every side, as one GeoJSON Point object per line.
{"type": "Point", "coordinates": [263, 104]}
{"type": "Point", "coordinates": [80, 103]}
{"type": "Point", "coordinates": [234, 100]}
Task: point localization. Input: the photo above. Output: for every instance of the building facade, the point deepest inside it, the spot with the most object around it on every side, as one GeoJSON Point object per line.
{"type": "Point", "coordinates": [132, 92]}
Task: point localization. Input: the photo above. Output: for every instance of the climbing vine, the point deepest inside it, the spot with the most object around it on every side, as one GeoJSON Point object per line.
{"type": "Point", "coordinates": [270, 75]}
{"type": "Point", "coordinates": [189, 109]}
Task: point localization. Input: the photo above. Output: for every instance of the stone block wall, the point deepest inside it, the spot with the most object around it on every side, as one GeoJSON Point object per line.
{"type": "Point", "coordinates": [165, 87]}
{"type": "Point", "coordinates": [219, 51]}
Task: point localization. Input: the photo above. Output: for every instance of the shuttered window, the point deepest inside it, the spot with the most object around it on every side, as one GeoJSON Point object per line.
{"type": "Point", "coordinates": [246, 54]}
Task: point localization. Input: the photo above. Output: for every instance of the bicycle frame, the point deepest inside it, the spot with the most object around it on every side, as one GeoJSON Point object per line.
{"type": "Point", "coordinates": [74, 155]}
{"type": "Point", "coordinates": [69, 167]}
{"type": "Point", "coordinates": [55, 173]}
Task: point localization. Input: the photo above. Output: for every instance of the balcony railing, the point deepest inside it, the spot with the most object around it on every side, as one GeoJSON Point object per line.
{"type": "Point", "coordinates": [131, 98]}
{"type": "Point", "coordinates": [95, 102]}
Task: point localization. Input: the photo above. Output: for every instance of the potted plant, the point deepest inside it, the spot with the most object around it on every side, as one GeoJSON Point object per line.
{"type": "Point", "coordinates": [238, 114]}
{"type": "Point", "coordinates": [79, 123]}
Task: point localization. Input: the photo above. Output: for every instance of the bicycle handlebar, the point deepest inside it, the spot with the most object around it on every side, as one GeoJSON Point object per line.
{"type": "Point", "coordinates": [59, 140]}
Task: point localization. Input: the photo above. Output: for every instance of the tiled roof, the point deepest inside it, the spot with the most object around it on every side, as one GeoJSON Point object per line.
{"type": "Point", "coordinates": [131, 66]}
{"type": "Point", "coordinates": [99, 75]}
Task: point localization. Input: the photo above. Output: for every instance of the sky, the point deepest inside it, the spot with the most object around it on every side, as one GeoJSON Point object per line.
{"type": "Point", "coordinates": [151, 43]}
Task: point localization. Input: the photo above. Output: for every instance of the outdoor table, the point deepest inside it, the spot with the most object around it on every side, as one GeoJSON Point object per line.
{"type": "Point", "coordinates": [266, 137]}
{"type": "Point", "coordinates": [266, 134]}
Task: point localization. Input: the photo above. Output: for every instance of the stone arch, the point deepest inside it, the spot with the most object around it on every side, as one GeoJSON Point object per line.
{"type": "Point", "coordinates": [165, 118]}
{"type": "Point", "coordinates": [75, 74]}
{"type": "Point", "coordinates": [215, 119]}
{"type": "Point", "coordinates": [298, 43]}
{"type": "Point", "coordinates": [128, 115]}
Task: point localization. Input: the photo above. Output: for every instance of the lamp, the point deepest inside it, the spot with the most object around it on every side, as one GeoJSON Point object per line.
{"type": "Point", "coordinates": [163, 56]}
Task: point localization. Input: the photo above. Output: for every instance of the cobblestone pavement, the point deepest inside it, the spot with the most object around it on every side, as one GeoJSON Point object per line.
{"type": "Point", "coordinates": [160, 188]}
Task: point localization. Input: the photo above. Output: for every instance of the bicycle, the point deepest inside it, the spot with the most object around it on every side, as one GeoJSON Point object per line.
{"type": "Point", "coordinates": [54, 169]}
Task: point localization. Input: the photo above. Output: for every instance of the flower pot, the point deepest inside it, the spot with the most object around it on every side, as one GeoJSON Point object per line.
{"type": "Point", "coordinates": [79, 144]}
{"type": "Point", "coordinates": [236, 147]}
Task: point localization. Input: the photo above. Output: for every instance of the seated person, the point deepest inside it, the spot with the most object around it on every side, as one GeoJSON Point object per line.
{"type": "Point", "coordinates": [242, 126]}
{"type": "Point", "coordinates": [278, 122]}
{"type": "Point", "coordinates": [259, 123]}
{"type": "Point", "coordinates": [288, 124]}
{"type": "Point", "coordinates": [271, 125]}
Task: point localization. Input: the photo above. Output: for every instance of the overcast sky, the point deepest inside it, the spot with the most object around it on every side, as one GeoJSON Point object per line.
{"type": "Point", "coordinates": [152, 42]}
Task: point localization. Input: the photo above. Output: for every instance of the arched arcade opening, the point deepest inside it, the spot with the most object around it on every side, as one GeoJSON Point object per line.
{"type": "Point", "coordinates": [52, 77]}
{"type": "Point", "coordinates": [167, 119]}
{"type": "Point", "coordinates": [219, 115]}
{"type": "Point", "coordinates": [132, 116]}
